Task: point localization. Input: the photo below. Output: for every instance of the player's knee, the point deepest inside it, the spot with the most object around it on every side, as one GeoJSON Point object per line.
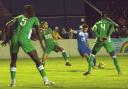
{"type": "Point", "coordinates": [38, 63]}
{"type": "Point", "coordinates": [93, 52]}
{"type": "Point", "coordinates": [112, 54]}
{"type": "Point", "coordinates": [92, 55]}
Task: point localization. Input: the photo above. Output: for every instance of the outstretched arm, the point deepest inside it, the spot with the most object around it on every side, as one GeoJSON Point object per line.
{"type": "Point", "coordinates": [73, 31]}
{"type": "Point", "coordinates": [40, 37]}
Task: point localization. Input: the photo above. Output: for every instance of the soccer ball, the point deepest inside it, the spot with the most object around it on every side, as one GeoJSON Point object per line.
{"type": "Point", "coordinates": [101, 65]}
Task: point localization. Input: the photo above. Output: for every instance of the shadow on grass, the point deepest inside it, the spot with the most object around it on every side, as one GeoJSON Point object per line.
{"type": "Point", "coordinates": [75, 71]}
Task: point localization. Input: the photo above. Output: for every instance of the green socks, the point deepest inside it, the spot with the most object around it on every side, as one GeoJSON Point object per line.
{"type": "Point", "coordinates": [64, 54]}
{"type": "Point", "coordinates": [13, 73]}
{"type": "Point", "coordinates": [90, 62]}
{"type": "Point", "coordinates": [42, 72]}
{"type": "Point", "coordinates": [116, 64]}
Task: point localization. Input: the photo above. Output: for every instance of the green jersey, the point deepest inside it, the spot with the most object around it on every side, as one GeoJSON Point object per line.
{"type": "Point", "coordinates": [47, 35]}
{"type": "Point", "coordinates": [103, 28]}
{"type": "Point", "coordinates": [24, 25]}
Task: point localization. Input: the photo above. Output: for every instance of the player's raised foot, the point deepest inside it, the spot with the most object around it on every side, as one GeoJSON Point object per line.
{"type": "Point", "coordinates": [68, 64]}
{"type": "Point", "coordinates": [12, 84]}
{"type": "Point", "coordinates": [49, 83]}
{"type": "Point", "coordinates": [86, 73]}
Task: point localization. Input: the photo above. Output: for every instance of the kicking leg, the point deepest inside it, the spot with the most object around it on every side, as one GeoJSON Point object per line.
{"type": "Point", "coordinates": [95, 49]}
{"type": "Point", "coordinates": [90, 64]}
{"type": "Point", "coordinates": [40, 67]}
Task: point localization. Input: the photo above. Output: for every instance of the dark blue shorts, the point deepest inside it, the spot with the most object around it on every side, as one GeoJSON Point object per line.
{"type": "Point", "coordinates": [84, 50]}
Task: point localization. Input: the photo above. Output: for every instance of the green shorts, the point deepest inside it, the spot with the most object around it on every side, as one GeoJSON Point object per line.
{"type": "Point", "coordinates": [107, 45]}
{"type": "Point", "coordinates": [50, 48]}
{"type": "Point", "coordinates": [23, 42]}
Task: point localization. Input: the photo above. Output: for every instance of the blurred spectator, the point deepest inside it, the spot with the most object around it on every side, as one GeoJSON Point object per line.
{"type": "Point", "coordinates": [123, 32]}
{"type": "Point", "coordinates": [64, 33]}
{"type": "Point", "coordinates": [56, 33]}
{"type": "Point", "coordinates": [70, 34]}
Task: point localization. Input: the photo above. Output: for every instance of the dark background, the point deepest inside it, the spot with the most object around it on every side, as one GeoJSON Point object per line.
{"type": "Point", "coordinates": [66, 13]}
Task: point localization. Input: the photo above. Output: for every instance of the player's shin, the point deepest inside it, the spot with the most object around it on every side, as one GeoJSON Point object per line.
{"type": "Point", "coordinates": [42, 72]}
{"type": "Point", "coordinates": [94, 61]}
{"type": "Point", "coordinates": [43, 75]}
{"type": "Point", "coordinates": [116, 63]}
{"type": "Point", "coordinates": [90, 62]}
{"type": "Point", "coordinates": [43, 59]}
{"type": "Point", "coordinates": [13, 73]}
{"type": "Point", "coordinates": [65, 56]}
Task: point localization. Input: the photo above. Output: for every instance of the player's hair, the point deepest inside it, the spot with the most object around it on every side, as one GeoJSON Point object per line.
{"type": "Point", "coordinates": [85, 26]}
{"type": "Point", "coordinates": [42, 22]}
{"type": "Point", "coordinates": [29, 11]}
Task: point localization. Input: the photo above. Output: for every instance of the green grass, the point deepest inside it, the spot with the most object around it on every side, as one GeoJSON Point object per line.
{"type": "Point", "coordinates": [66, 77]}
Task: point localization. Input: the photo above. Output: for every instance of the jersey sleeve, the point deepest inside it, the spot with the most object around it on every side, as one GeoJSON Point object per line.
{"type": "Point", "coordinates": [87, 35]}
{"type": "Point", "coordinates": [94, 29]}
{"type": "Point", "coordinates": [13, 20]}
{"type": "Point", "coordinates": [36, 23]}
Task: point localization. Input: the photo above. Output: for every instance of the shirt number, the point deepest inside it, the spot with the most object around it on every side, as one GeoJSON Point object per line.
{"type": "Point", "coordinates": [23, 22]}
{"type": "Point", "coordinates": [103, 26]}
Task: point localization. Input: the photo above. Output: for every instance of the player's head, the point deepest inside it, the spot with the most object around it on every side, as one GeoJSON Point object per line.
{"type": "Point", "coordinates": [56, 28]}
{"type": "Point", "coordinates": [44, 24]}
{"type": "Point", "coordinates": [29, 11]}
{"type": "Point", "coordinates": [84, 27]}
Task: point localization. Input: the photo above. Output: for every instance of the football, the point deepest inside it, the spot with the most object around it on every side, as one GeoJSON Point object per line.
{"type": "Point", "coordinates": [101, 65]}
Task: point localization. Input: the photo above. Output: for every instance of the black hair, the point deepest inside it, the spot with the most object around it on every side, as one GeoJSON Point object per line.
{"type": "Point", "coordinates": [29, 11]}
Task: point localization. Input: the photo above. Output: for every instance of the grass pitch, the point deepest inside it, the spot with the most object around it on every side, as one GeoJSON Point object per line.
{"type": "Point", "coordinates": [66, 77]}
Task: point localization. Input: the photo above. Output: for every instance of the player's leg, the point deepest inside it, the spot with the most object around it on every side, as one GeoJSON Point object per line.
{"type": "Point", "coordinates": [45, 54]}
{"type": "Point", "coordinates": [30, 50]}
{"type": "Point", "coordinates": [95, 49]}
{"type": "Point", "coordinates": [64, 54]}
{"type": "Point", "coordinates": [88, 51]}
{"type": "Point", "coordinates": [14, 48]}
{"type": "Point", "coordinates": [44, 58]}
{"type": "Point", "coordinates": [85, 53]}
{"type": "Point", "coordinates": [13, 69]}
{"type": "Point", "coordinates": [34, 56]}
{"type": "Point", "coordinates": [111, 50]}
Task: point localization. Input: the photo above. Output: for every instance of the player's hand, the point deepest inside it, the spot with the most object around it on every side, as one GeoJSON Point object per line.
{"type": "Point", "coordinates": [4, 43]}
{"type": "Point", "coordinates": [102, 39]}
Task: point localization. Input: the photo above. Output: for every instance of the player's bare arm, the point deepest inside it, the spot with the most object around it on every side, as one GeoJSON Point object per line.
{"type": "Point", "coordinates": [7, 32]}
{"type": "Point", "coordinates": [40, 37]}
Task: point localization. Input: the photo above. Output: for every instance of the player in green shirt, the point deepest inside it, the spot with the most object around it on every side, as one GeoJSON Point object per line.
{"type": "Point", "coordinates": [103, 30]}
{"type": "Point", "coordinates": [51, 44]}
{"type": "Point", "coordinates": [21, 38]}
